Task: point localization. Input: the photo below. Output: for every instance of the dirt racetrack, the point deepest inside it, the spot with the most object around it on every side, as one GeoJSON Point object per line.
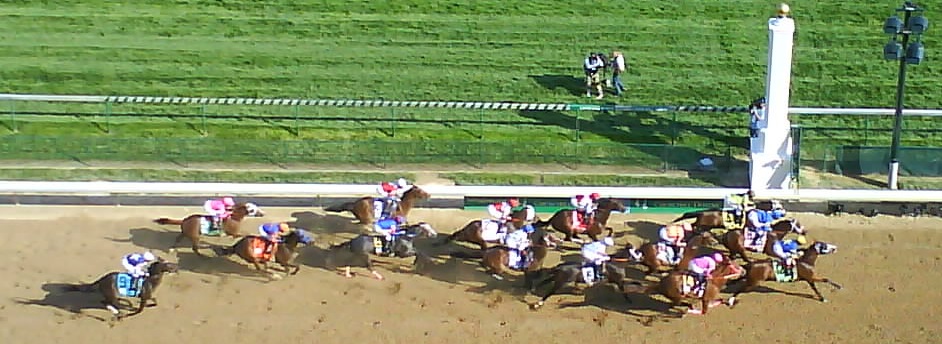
{"type": "Point", "coordinates": [889, 266]}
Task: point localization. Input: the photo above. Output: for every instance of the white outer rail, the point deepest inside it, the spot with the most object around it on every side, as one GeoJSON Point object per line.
{"type": "Point", "coordinates": [315, 190]}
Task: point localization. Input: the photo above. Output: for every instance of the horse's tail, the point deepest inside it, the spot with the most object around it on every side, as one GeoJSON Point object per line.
{"type": "Point", "coordinates": [168, 221]}
{"type": "Point", "coordinates": [337, 208]}
{"type": "Point", "coordinates": [467, 255]}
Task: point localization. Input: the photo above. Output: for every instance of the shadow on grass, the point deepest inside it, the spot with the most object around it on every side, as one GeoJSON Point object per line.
{"type": "Point", "coordinates": [573, 85]}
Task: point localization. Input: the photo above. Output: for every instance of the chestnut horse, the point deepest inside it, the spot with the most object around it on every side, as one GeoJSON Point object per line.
{"type": "Point", "coordinates": [678, 286]}
{"type": "Point", "coordinates": [362, 208]}
{"type": "Point", "coordinates": [496, 259]}
{"type": "Point", "coordinates": [193, 226]}
{"type": "Point", "coordinates": [562, 220]}
{"type": "Point", "coordinates": [712, 218]}
{"type": "Point", "coordinates": [760, 271]}
{"type": "Point", "coordinates": [653, 255]}
{"type": "Point", "coordinates": [108, 287]}
{"type": "Point", "coordinates": [249, 249]}
{"type": "Point", "coordinates": [735, 240]}
{"type": "Point", "coordinates": [473, 232]}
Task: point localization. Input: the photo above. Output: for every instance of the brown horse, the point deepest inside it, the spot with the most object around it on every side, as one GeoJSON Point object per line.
{"type": "Point", "coordinates": [496, 259]}
{"type": "Point", "coordinates": [562, 220]}
{"type": "Point", "coordinates": [193, 226]}
{"type": "Point", "coordinates": [108, 285]}
{"type": "Point", "coordinates": [735, 240]}
{"type": "Point", "coordinates": [362, 208]}
{"type": "Point", "coordinates": [474, 231]}
{"type": "Point", "coordinates": [712, 218]}
{"type": "Point", "coordinates": [250, 248]}
{"type": "Point", "coordinates": [657, 255]}
{"type": "Point", "coordinates": [679, 285]}
{"type": "Point", "coordinates": [765, 270]}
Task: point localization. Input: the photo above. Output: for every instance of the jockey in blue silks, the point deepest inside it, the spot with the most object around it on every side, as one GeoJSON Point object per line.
{"type": "Point", "coordinates": [760, 222]}
{"type": "Point", "coordinates": [389, 228]}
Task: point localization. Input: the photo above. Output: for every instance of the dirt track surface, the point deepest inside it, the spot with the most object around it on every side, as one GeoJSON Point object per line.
{"type": "Point", "coordinates": [890, 269]}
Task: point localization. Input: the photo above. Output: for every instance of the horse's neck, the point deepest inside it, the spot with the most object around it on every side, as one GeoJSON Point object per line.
{"type": "Point", "coordinates": [809, 257]}
{"type": "Point", "coordinates": [602, 215]}
{"type": "Point", "coordinates": [155, 279]}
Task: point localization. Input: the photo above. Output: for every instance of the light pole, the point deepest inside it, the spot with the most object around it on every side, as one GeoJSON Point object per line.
{"type": "Point", "coordinates": [898, 28]}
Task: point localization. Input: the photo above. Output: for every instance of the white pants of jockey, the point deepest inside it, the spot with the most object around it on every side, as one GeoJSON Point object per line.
{"type": "Point", "coordinates": [136, 271]}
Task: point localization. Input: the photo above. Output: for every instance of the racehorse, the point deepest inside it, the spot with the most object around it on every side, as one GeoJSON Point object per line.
{"type": "Point", "coordinates": [772, 270]}
{"type": "Point", "coordinates": [362, 208]}
{"type": "Point", "coordinates": [476, 233]}
{"type": "Point", "coordinates": [655, 255]}
{"type": "Point", "coordinates": [496, 259]}
{"type": "Point", "coordinates": [562, 220]}
{"type": "Point", "coordinates": [109, 286]}
{"type": "Point", "coordinates": [251, 249]}
{"type": "Point", "coordinates": [193, 226]}
{"type": "Point", "coordinates": [712, 218]}
{"type": "Point", "coordinates": [735, 240]}
{"type": "Point", "coordinates": [364, 244]}
{"type": "Point", "coordinates": [569, 272]}
{"type": "Point", "coordinates": [679, 285]}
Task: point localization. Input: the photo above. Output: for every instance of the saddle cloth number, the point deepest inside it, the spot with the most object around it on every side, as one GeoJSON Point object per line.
{"type": "Point", "coordinates": [665, 253]}
{"type": "Point", "coordinates": [754, 240]}
{"type": "Point", "coordinates": [126, 286]}
{"type": "Point", "coordinates": [378, 245]}
{"type": "Point", "coordinates": [588, 274]}
{"type": "Point", "coordinates": [258, 249]}
{"type": "Point", "coordinates": [689, 285]}
{"type": "Point", "coordinates": [783, 273]}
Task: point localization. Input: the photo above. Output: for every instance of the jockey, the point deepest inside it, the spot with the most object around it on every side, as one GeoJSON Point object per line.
{"type": "Point", "coordinates": [740, 203]}
{"type": "Point", "coordinates": [703, 266]}
{"type": "Point", "coordinates": [219, 208]}
{"type": "Point", "coordinates": [760, 222]}
{"type": "Point", "coordinates": [787, 250]}
{"type": "Point", "coordinates": [594, 253]}
{"type": "Point", "coordinates": [389, 228]}
{"type": "Point", "coordinates": [391, 193]}
{"type": "Point", "coordinates": [137, 263]}
{"type": "Point", "coordinates": [673, 236]}
{"type": "Point", "coordinates": [501, 211]}
{"type": "Point", "coordinates": [519, 242]}
{"type": "Point", "coordinates": [272, 232]}
{"type": "Point", "coordinates": [585, 205]}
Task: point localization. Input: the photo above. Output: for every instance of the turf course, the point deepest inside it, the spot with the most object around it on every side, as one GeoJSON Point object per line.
{"type": "Point", "coordinates": [709, 53]}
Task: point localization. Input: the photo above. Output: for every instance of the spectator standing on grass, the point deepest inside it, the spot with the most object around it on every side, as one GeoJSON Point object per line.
{"type": "Point", "coordinates": [592, 67]}
{"type": "Point", "coordinates": [618, 67]}
{"type": "Point", "coordinates": [756, 113]}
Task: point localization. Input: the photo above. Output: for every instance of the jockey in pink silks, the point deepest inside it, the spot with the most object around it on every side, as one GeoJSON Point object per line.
{"type": "Point", "coordinates": [219, 208]}
{"type": "Point", "coordinates": [703, 266]}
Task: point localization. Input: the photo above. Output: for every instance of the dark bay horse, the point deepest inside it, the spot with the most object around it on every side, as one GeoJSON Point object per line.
{"type": "Point", "coordinates": [250, 249]}
{"type": "Point", "coordinates": [108, 287]}
{"type": "Point", "coordinates": [562, 220]}
{"type": "Point", "coordinates": [712, 218]}
{"type": "Point", "coordinates": [735, 240]}
{"type": "Point", "coordinates": [654, 255]}
{"type": "Point", "coordinates": [362, 208]}
{"type": "Point", "coordinates": [496, 259]}
{"type": "Point", "coordinates": [571, 272]}
{"type": "Point", "coordinates": [765, 270]}
{"type": "Point", "coordinates": [474, 231]}
{"type": "Point", "coordinates": [678, 286]}
{"type": "Point", "coordinates": [193, 226]}
{"type": "Point", "coordinates": [365, 244]}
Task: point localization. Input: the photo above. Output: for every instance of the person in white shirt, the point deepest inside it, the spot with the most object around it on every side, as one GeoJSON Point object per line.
{"type": "Point", "coordinates": [619, 67]}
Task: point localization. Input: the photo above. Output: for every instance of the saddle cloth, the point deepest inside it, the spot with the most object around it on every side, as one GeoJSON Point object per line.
{"type": "Point", "coordinates": [491, 230]}
{"type": "Point", "coordinates": [206, 227]}
{"type": "Point", "coordinates": [127, 286]}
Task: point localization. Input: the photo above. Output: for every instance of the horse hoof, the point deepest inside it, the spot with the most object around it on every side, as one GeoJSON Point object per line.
{"type": "Point", "coordinates": [824, 300]}
{"type": "Point", "coordinates": [732, 301]}
{"type": "Point", "coordinates": [497, 277]}
{"type": "Point", "coordinates": [276, 277]}
{"type": "Point", "coordinates": [694, 311]}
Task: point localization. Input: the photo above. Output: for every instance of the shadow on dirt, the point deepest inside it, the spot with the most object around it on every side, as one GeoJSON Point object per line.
{"type": "Point", "coordinates": [64, 297]}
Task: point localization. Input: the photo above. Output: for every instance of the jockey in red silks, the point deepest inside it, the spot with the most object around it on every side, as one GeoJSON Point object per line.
{"type": "Point", "coordinates": [219, 208]}
{"type": "Point", "coordinates": [501, 211]}
{"type": "Point", "coordinates": [390, 195]}
{"type": "Point", "coordinates": [585, 206]}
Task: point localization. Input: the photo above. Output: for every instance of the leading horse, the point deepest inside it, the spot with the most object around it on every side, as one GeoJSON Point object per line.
{"type": "Point", "coordinates": [249, 248]}
{"type": "Point", "coordinates": [474, 231]}
{"type": "Point", "coordinates": [772, 270]}
{"type": "Point", "coordinates": [562, 220]}
{"type": "Point", "coordinates": [193, 226]}
{"type": "Point", "coordinates": [679, 285]}
{"type": "Point", "coordinates": [107, 285]}
{"type": "Point", "coordinates": [362, 208]}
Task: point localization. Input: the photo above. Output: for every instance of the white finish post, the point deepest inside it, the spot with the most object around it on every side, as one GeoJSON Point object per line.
{"type": "Point", "coordinates": [771, 150]}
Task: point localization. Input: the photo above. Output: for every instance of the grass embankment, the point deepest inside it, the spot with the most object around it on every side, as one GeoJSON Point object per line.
{"type": "Point", "coordinates": [680, 53]}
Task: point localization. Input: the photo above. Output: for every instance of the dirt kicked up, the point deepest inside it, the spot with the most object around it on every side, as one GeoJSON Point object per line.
{"type": "Point", "coordinates": [889, 267]}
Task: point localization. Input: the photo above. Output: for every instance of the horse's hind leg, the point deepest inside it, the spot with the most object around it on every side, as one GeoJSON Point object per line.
{"type": "Point", "coordinates": [369, 266]}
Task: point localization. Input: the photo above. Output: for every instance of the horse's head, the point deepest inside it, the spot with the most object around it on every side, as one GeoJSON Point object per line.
{"type": "Point", "coordinates": [728, 270]}
{"type": "Point", "coordinates": [421, 229]}
{"type": "Point", "coordinates": [415, 192]}
{"type": "Point", "coordinates": [248, 209]}
{"type": "Point", "coordinates": [526, 215]}
{"type": "Point", "coordinates": [823, 248]}
{"type": "Point", "coordinates": [162, 266]}
{"type": "Point", "coordinates": [789, 225]}
{"type": "Point", "coordinates": [611, 204]}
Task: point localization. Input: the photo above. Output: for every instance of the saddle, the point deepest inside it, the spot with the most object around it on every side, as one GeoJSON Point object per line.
{"type": "Point", "coordinates": [129, 286]}
{"type": "Point", "coordinates": [518, 260]}
{"type": "Point", "coordinates": [209, 226]}
{"type": "Point", "coordinates": [579, 223]}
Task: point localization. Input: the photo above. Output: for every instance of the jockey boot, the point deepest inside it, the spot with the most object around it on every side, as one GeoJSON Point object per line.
{"type": "Point", "coordinates": [678, 253]}
{"type": "Point", "coordinates": [387, 247]}
{"type": "Point", "coordinates": [598, 272]}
